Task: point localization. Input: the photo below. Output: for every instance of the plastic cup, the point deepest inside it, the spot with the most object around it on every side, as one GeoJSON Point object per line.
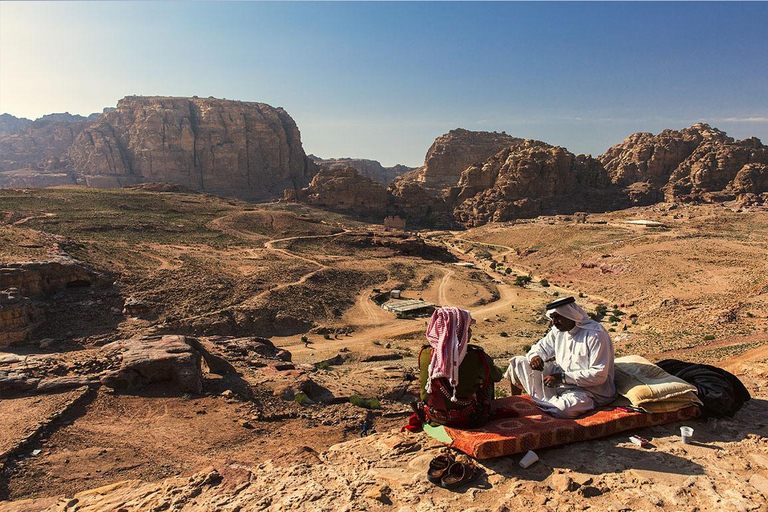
{"type": "Point", "coordinates": [686, 433]}
{"type": "Point", "coordinates": [528, 459]}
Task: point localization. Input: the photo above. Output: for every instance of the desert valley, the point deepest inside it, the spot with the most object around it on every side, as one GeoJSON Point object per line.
{"type": "Point", "coordinates": [197, 315]}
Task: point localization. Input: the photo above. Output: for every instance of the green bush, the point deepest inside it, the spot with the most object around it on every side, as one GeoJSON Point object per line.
{"type": "Point", "coordinates": [366, 403]}
{"type": "Point", "coordinates": [526, 348]}
{"type": "Point", "coordinates": [581, 295]}
{"type": "Point", "coordinates": [300, 398]}
{"type": "Point", "coordinates": [544, 283]}
{"type": "Point", "coordinates": [555, 294]}
{"type": "Point", "coordinates": [709, 337]}
{"type": "Point", "coordinates": [327, 336]}
{"type": "Point", "coordinates": [508, 271]}
{"type": "Point", "coordinates": [522, 280]}
{"type": "Point", "coordinates": [613, 319]}
{"type": "Point", "coordinates": [504, 334]}
{"type": "Point", "coordinates": [322, 365]}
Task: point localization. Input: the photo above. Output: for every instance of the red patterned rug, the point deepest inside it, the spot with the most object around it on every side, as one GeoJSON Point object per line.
{"type": "Point", "coordinates": [529, 428]}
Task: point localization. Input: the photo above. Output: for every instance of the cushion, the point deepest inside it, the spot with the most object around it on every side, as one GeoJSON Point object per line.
{"type": "Point", "coordinates": [646, 385]}
{"type": "Point", "coordinates": [523, 426]}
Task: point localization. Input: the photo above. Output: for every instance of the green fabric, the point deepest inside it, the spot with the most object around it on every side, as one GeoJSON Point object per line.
{"type": "Point", "coordinates": [438, 432]}
{"type": "Point", "coordinates": [471, 373]}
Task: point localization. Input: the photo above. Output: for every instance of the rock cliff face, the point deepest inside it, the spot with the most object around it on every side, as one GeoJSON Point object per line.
{"type": "Point", "coordinates": [453, 152]}
{"type": "Point", "coordinates": [34, 153]}
{"type": "Point", "coordinates": [527, 179]}
{"type": "Point", "coordinates": [690, 164]}
{"type": "Point", "coordinates": [233, 148]}
{"type": "Point", "coordinates": [368, 168]}
{"type": "Point", "coordinates": [343, 189]}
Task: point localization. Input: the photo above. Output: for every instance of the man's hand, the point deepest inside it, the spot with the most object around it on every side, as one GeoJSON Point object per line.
{"type": "Point", "coordinates": [537, 363]}
{"type": "Point", "coordinates": [552, 380]}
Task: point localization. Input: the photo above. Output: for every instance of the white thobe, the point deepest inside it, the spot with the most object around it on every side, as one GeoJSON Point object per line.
{"type": "Point", "coordinates": [585, 358]}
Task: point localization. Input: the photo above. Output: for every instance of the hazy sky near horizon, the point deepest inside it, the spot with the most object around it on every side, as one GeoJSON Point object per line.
{"type": "Point", "coordinates": [382, 80]}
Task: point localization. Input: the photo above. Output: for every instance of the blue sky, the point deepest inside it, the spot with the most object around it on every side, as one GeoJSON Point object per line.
{"type": "Point", "coordinates": [382, 80]}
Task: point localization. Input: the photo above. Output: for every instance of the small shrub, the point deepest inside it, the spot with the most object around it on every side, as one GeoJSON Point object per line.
{"type": "Point", "coordinates": [376, 342]}
{"type": "Point", "coordinates": [544, 283]}
{"type": "Point", "coordinates": [709, 337]}
{"type": "Point", "coordinates": [617, 312]}
{"type": "Point", "coordinates": [500, 392]}
{"type": "Point", "coordinates": [327, 336]}
{"type": "Point", "coordinates": [601, 310]}
{"type": "Point", "coordinates": [613, 319]}
{"type": "Point", "coordinates": [508, 271]}
{"type": "Point", "coordinates": [522, 280]}
{"type": "Point", "coordinates": [493, 265]}
{"type": "Point", "coordinates": [504, 334]}
{"type": "Point", "coordinates": [555, 294]}
{"type": "Point", "coordinates": [300, 398]}
{"type": "Point", "coordinates": [366, 403]}
{"type": "Point", "coordinates": [304, 340]}
{"type": "Point", "coordinates": [581, 295]}
{"type": "Point", "coordinates": [611, 329]}
{"type": "Point", "coordinates": [526, 348]}
{"type": "Point", "coordinates": [322, 365]}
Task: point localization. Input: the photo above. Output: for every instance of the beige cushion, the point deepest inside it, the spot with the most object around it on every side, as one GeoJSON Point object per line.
{"type": "Point", "coordinates": [646, 385]}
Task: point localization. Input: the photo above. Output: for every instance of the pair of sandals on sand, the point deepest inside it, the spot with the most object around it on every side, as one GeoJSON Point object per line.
{"type": "Point", "coordinates": [445, 471]}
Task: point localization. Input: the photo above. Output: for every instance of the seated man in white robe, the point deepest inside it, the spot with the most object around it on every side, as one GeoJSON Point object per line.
{"type": "Point", "coordinates": [570, 370]}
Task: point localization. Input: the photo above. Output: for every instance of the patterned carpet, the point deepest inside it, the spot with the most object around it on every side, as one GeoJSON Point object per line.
{"type": "Point", "coordinates": [521, 426]}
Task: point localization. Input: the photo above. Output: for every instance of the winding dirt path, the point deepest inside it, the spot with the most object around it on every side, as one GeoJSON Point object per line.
{"type": "Point", "coordinates": [442, 291]}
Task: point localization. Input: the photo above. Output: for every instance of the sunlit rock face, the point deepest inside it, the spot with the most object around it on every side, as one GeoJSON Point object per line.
{"type": "Point", "coordinates": [528, 179]}
{"type": "Point", "coordinates": [233, 148]}
{"type": "Point", "coordinates": [695, 163]}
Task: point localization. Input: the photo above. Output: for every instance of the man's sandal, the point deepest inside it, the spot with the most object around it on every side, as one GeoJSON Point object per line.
{"type": "Point", "coordinates": [439, 466]}
{"type": "Point", "coordinates": [459, 474]}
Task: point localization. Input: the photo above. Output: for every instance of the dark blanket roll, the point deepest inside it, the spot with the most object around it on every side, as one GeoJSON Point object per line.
{"type": "Point", "coordinates": [721, 392]}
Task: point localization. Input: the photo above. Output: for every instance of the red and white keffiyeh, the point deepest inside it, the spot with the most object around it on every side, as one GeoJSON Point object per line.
{"type": "Point", "coordinates": [448, 334]}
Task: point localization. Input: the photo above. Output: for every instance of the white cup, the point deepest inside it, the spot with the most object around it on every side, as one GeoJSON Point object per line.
{"type": "Point", "coordinates": [686, 433]}
{"type": "Point", "coordinates": [528, 459]}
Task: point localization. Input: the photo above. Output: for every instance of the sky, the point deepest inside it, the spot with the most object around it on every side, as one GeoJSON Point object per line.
{"type": "Point", "coordinates": [382, 80]}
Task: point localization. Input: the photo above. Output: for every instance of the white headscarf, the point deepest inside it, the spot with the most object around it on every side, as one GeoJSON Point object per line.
{"type": "Point", "coordinates": [578, 315]}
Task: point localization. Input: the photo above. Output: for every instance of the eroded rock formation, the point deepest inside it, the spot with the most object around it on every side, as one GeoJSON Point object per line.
{"type": "Point", "coordinates": [342, 189]}
{"type": "Point", "coordinates": [453, 152]}
{"type": "Point", "coordinates": [233, 148]}
{"type": "Point", "coordinates": [698, 162]}
{"type": "Point", "coordinates": [22, 282]}
{"type": "Point", "coordinates": [527, 179]}
{"type": "Point", "coordinates": [368, 168]}
{"type": "Point", "coordinates": [34, 153]}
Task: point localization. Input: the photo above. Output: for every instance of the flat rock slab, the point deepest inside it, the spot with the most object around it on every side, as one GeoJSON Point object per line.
{"type": "Point", "coordinates": [145, 361]}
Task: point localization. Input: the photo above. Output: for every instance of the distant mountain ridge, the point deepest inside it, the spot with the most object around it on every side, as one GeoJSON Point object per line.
{"type": "Point", "coordinates": [254, 151]}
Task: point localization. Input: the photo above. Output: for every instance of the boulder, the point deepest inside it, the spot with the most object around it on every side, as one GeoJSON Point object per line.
{"type": "Point", "coordinates": [33, 279]}
{"type": "Point", "coordinates": [145, 361]}
{"type": "Point", "coordinates": [233, 148]}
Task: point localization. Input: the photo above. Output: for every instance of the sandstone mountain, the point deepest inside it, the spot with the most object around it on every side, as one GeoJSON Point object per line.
{"type": "Point", "coordinates": [695, 163]}
{"type": "Point", "coordinates": [343, 189]}
{"type": "Point", "coordinates": [368, 168]}
{"type": "Point", "coordinates": [34, 153]}
{"type": "Point", "coordinates": [233, 148]}
{"type": "Point", "coordinates": [11, 124]}
{"type": "Point", "coordinates": [453, 152]}
{"type": "Point", "coordinates": [525, 180]}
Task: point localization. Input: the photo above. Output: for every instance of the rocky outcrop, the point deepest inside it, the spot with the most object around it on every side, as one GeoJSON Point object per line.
{"type": "Point", "coordinates": [11, 124]}
{"type": "Point", "coordinates": [343, 189]}
{"type": "Point", "coordinates": [232, 148]}
{"type": "Point", "coordinates": [453, 152]}
{"type": "Point", "coordinates": [368, 168]}
{"type": "Point", "coordinates": [146, 361]}
{"type": "Point", "coordinates": [34, 154]}
{"type": "Point", "coordinates": [525, 180]}
{"type": "Point", "coordinates": [692, 163]}
{"type": "Point", "coordinates": [22, 282]}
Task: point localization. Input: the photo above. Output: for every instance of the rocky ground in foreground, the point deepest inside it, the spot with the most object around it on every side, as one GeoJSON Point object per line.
{"type": "Point", "coordinates": [726, 468]}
